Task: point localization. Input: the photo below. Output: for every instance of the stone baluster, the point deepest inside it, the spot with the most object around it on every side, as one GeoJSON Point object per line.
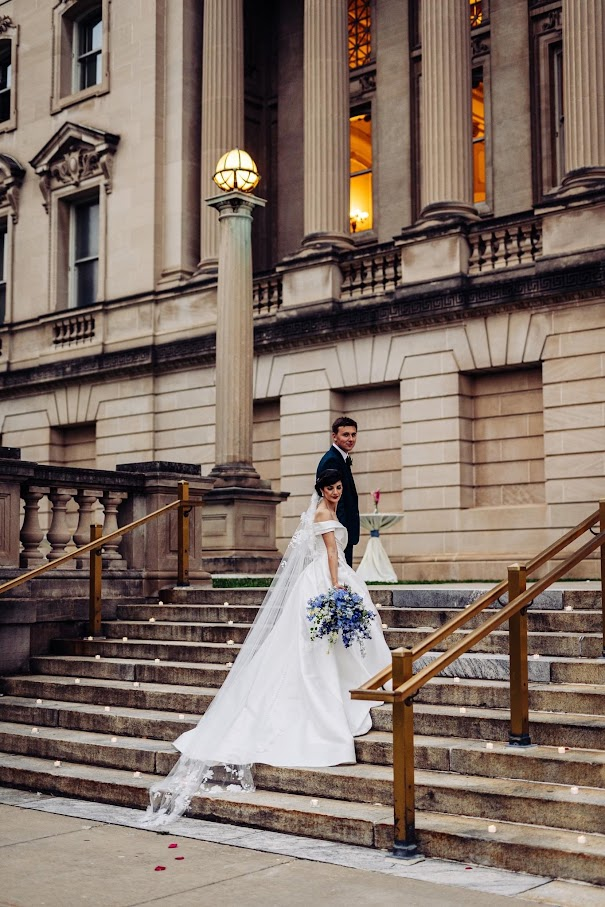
{"type": "Point", "coordinates": [59, 534]}
{"type": "Point", "coordinates": [222, 106]}
{"type": "Point", "coordinates": [111, 501]}
{"type": "Point", "coordinates": [86, 500]}
{"type": "Point", "coordinates": [447, 168]}
{"type": "Point", "coordinates": [326, 124]}
{"type": "Point", "coordinates": [32, 533]}
{"type": "Point", "coordinates": [583, 81]}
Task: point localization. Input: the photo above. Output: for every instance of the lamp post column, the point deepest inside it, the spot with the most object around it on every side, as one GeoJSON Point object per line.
{"type": "Point", "coordinates": [583, 80]}
{"type": "Point", "coordinates": [326, 124]}
{"type": "Point", "coordinates": [234, 340]}
{"type": "Point", "coordinates": [447, 176]}
{"type": "Point", "coordinates": [222, 105]}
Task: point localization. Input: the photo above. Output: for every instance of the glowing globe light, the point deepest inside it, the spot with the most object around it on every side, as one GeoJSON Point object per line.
{"type": "Point", "coordinates": [236, 170]}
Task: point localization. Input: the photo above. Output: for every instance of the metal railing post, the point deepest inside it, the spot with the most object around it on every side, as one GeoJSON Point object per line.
{"type": "Point", "coordinates": [519, 684]}
{"type": "Point", "coordinates": [183, 535]}
{"type": "Point", "coordinates": [602, 529]}
{"type": "Point", "coordinates": [404, 843]}
{"type": "Point", "coordinates": [96, 567]}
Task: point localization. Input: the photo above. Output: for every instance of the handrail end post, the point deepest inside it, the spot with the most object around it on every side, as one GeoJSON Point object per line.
{"type": "Point", "coordinates": [403, 850]}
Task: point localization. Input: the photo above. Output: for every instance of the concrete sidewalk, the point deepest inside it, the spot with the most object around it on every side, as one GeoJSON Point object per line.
{"type": "Point", "coordinates": [56, 852]}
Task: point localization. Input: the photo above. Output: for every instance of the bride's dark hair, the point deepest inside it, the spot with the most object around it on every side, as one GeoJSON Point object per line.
{"type": "Point", "coordinates": [327, 477]}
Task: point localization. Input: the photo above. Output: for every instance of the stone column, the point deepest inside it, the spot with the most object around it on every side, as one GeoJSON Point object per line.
{"type": "Point", "coordinates": [222, 106]}
{"type": "Point", "coordinates": [326, 124]}
{"type": "Point", "coordinates": [234, 340]}
{"type": "Point", "coordinates": [447, 175]}
{"type": "Point", "coordinates": [583, 81]}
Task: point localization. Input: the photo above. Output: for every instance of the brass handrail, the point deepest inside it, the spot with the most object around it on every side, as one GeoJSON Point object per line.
{"type": "Point", "coordinates": [184, 506]}
{"type": "Point", "coordinates": [407, 684]}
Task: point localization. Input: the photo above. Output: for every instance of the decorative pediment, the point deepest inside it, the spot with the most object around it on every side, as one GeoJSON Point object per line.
{"type": "Point", "coordinates": [12, 175]}
{"type": "Point", "coordinates": [74, 155]}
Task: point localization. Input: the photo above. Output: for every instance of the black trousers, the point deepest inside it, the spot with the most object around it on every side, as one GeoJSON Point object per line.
{"type": "Point", "coordinates": [349, 555]}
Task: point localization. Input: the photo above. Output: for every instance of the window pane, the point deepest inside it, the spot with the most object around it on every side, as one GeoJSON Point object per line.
{"type": "Point", "coordinates": [360, 23]}
{"type": "Point", "coordinates": [87, 230]}
{"type": "Point", "coordinates": [5, 80]}
{"type": "Point", "coordinates": [86, 282]}
{"type": "Point", "coordinates": [360, 207]}
{"type": "Point", "coordinates": [89, 51]}
{"type": "Point", "coordinates": [3, 247]}
{"type": "Point", "coordinates": [478, 113]}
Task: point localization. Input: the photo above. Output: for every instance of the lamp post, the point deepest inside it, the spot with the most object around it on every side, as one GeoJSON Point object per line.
{"type": "Point", "coordinates": [239, 513]}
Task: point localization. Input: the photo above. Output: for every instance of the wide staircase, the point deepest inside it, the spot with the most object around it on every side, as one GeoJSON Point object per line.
{"type": "Point", "coordinates": [96, 717]}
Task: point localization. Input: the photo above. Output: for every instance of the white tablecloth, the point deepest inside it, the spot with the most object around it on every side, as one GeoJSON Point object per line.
{"type": "Point", "coordinates": [375, 565]}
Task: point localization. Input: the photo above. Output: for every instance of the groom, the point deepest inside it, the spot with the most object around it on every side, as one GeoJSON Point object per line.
{"type": "Point", "coordinates": [344, 436]}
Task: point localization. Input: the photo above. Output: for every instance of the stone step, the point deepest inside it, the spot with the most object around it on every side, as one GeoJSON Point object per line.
{"type": "Point", "coordinates": [109, 720]}
{"type": "Point", "coordinates": [534, 803]}
{"type": "Point", "coordinates": [85, 747]}
{"type": "Point", "coordinates": [566, 645]}
{"type": "Point", "coordinates": [546, 728]}
{"type": "Point", "coordinates": [140, 650]}
{"type": "Point", "coordinates": [574, 621]}
{"type": "Point", "coordinates": [146, 671]}
{"type": "Point", "coordinates": [541, 668]}
{"type": "Point", "coordinates": [155, 696]}
{"type": "Point", "coordinates": [577, 698]}
{"type": "Point", "coordinates": [176, 631]}
{"type": "Point", "coordinates": [576, 595]}
{"type": "Point", "coordinates": [552, 852]}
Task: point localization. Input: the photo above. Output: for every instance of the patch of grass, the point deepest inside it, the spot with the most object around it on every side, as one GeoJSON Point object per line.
{"type": "Point", "coordinates": [241, 582]}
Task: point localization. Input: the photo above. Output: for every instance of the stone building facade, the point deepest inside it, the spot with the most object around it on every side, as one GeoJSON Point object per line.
{"type": "Point", "coordinates": [430, 260]}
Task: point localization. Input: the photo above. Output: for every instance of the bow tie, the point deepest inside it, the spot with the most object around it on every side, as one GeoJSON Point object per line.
{"type": "Point", "coordinates": [348, 461]}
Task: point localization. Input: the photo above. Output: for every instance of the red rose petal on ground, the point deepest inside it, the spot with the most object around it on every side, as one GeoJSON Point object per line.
{"type": "Point", "coordinates": [159, 868]}
{"type": "Point", "coordinates": [179, 858]}
{"type": "Point", "coordinates": [170, 846]}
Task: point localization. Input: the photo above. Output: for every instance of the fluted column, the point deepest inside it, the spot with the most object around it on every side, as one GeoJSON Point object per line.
{"type": "Point", "coordinates": [447, 172]}
{"type": "Point", "coordinates": [222, 105]}
{"type": "Point", "coordinates": [583, 85]}
{"type": "Point", "coordinates": [326, 123]}
{"type": "Point", "coordinates": [234, 340]}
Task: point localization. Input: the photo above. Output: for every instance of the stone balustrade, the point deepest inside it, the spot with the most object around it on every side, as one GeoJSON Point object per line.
{"type": "Point", "coordinates": [73, 329]}
{"type": "Point", "coordinates": [506, 244]}
{"type": "Point", "coordinates": [370, 273]}
{"type": "Point", "coordinates": [267, 293]}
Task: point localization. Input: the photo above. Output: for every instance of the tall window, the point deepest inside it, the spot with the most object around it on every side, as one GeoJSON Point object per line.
{"type": "Point", "coordinates": [547, 100]}
{"type": "Point", "coordinates": [84, 258]}
{"type": "Point", "coordinates": [81, 37]}
{"type": "Point", "coordinates": [478, 114]}
{"type": "Point", "coordinates": [3, 254]}
{"type": "Point", "coordinates": [360, 33]}
{"type": "Point", "coordinates": [6, 80]}
{"type": "Point", "coordinates": [88, 47]}
{"type": "Point", "coordinates": [360, 208]}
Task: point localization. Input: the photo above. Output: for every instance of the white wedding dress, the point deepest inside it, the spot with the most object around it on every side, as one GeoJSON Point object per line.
{"type": "Point", "coordinates": [289, 704]}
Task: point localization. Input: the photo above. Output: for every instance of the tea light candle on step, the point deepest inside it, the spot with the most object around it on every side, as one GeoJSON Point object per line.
{"type": "Point", "coordinates": [568, 607]}
{"type": "Point", "coordinates": [229, 642]}
{"type": "Point", "coordinates": [226, 604]}
{"type": "Point", "coordinates": [136, 683]}
{"type": "Point", "coordinates": [107, 708]}
{"type": "Point", "coordinates": [462, 710]}
{"type": "Point", "coordinates": [57, 763]}
{"type": "Point", "coordinates": [114, 739]}
{"type": "Point", "coordinates": [491, 829]}
{"type": "Point", "coordinates": [562, 749]}
{"type": "Point", "coordinates": [230, 623]}
{"type": "Point", "coordinates": [489, 746]}
{"type": "Point", "coordinates": [34, 730]}
{"type": "Point", "coordinates": [160, 603]}
{"type": "Point", "coordinates": [77, 680]}
{"type": "Point", "coordinates": [385, 626]}
{"type": "Point", "coordinates": [137, 774]}
{"type": "Point", "coordinates": [181, 717]}
{"type": "Point", "coordinates": [228, 664]}
{"type": "Point", "coordinates": [90, 638]}
{"type": "Point", "coordinates": [124, 639]}
{"type": "Point", "coordinates": [574, 790]}
{"type": "Point", "coordinates": [313, 802]}
{"type": "Point", "coordinates": [98, 657]}
{"type": "Point", "coordinates": [152, 620]}
{"type": "Point", "coordinates": [456, 680]}
{"type": "Point", "coordinates": [157, 661]}
{"type": "Point", "coordinates": [581, 839]}
{"type": "Point", "coordinates": [38, 702]}
{"type": "Point", "coordinates": [535, 655]}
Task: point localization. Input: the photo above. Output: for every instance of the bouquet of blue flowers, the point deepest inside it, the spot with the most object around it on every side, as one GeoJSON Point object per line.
{"type": "Point", "coordinates": [340, 611]}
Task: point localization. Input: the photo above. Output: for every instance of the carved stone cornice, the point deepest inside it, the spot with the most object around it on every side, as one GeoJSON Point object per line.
{"type": "Point", "coordinates": [12, 175]}
{"type": "Point", "coordinates": [73, 156]}
{"type": "Point", "coordinates": [6, 23]}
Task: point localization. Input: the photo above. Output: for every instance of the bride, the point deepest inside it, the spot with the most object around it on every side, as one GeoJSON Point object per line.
{"type": "Point", "coordinates": [286, 701]}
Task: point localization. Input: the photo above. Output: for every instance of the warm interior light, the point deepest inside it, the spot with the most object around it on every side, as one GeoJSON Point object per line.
{"type": "Point", "coordinates": [357, 219]}
{"type": "Point", "coordinates": [236, 170]}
